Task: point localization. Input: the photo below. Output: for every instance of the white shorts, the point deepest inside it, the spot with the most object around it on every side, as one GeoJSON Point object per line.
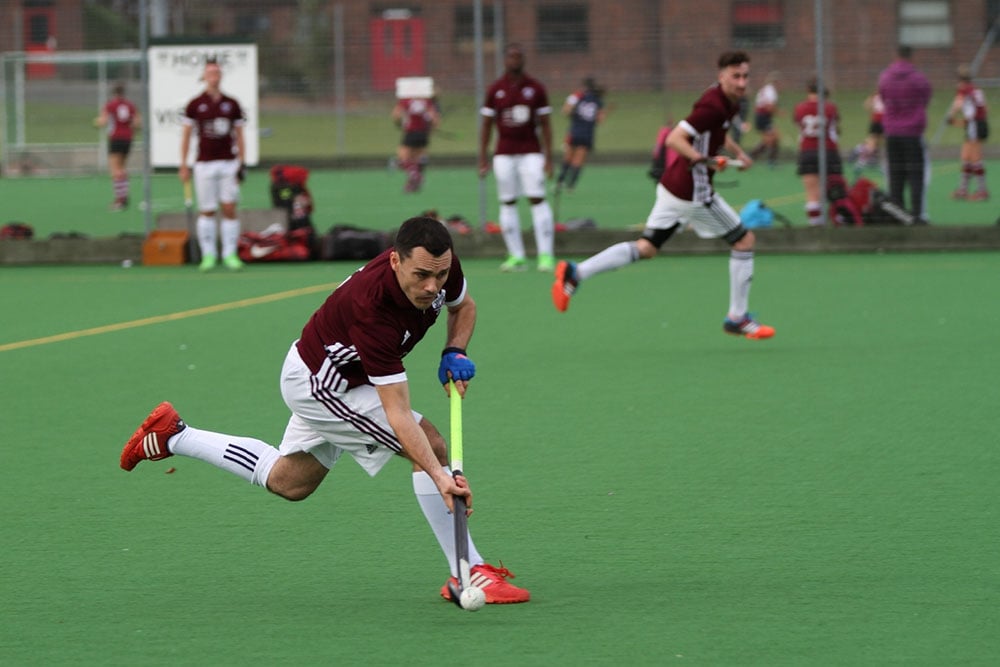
{"type": "Point", "coordinates": [326, 423]}
{"type": "Point", "coordinates": [709, 221]}
{"type": "Point", "coordinates": [215, 182]}
{"type": "Point", "coordinates": [519, 175]}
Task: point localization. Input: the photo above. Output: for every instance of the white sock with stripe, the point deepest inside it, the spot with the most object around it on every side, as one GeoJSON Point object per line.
{"type": "Point", "coordinates": [609, 259]}
{"type": "Point", "coordinates": [440, 519]}
{"type": "Point", "coordinates": [207, 236]}
{"type": "Point", "coordinates": [740, 276]}
{"type": "Point", "coordinates": [541, 219]}
{"type": "Point", "coordinates": [230, 228]}
{"type": "Point", "coordinates": [248, 458]}
{"type": "Point", "coordinates": [510, 228]}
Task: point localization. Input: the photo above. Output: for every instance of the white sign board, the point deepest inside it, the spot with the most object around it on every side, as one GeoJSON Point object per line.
{"type": "Point", "coordinates": [409, 87]}
{"type": "Point", "coordinates": [175, 79]}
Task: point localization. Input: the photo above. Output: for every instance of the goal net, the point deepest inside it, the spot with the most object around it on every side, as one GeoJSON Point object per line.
{"type": "Point", "coordinates": [50, 101]}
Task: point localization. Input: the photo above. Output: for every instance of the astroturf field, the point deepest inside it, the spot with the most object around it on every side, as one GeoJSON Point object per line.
{"type": "Point", "coordinates": [669, 494]}
{"type": "Point", "coordinates": [614, 196]}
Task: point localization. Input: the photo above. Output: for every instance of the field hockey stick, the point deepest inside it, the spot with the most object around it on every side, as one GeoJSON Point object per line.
{"type": "Point", "coordinates": [461, 520]}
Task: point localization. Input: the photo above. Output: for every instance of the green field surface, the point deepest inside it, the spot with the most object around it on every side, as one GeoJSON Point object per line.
{"type": "Point", "coordinates": [615, 196]}
{"type": "Point", "coordinates": [669, 494]}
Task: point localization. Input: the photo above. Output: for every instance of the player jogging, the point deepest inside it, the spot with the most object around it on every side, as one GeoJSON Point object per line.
{"type": "Point", "coordinates": [585, 109]}
{"type": "Point", "coordinates": [121, 119]}
{"type": "Point", "coordinates": [417, 117]}
{"type": "Point", "coordinates": [968, 111]}
{"type": "Point", "coordinates": [684, 195]}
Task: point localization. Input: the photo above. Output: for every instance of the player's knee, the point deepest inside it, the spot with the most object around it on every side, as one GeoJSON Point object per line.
{"type": "Point", "coordinates": [294, 492]}
{"type": "Point", "coordinates": [646, 249]}
{"type": "Point", "coordinates": [652, 240]}
{"type": "Point", "coordinates": [743, 240]}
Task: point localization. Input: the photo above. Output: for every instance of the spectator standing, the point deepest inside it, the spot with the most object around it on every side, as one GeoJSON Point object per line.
{"type": "Point", "coordinates": [121, 118]}
{"type": "Point", "coordinates": [218, 121]}
{"type": "Point", "coordinates": [685, 196]}
{"type": "Point", "coordinates": [906, 92]}
{"type": "Point", "coordinates": [811, 133]}
{"type": "Point", "coordinates": [518, 105]}
{"type": "Point", "coordinates": [417, 117]}
{"type": "Point", "coordinates": [968, 111]}
{"type": "Point", "coordinates": [585, 109]}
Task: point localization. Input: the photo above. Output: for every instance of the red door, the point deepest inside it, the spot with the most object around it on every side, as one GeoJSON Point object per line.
{"type": "Point", "coordinates": [40, 37]}
{"type": "Point", "coordinates": [397, 50]}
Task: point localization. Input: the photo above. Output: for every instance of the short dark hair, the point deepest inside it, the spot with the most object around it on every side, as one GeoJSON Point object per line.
{"type": "Point", "coordinates": [119, 89]}
{"type": "Point", "coordinates": [422, 232]}
{"type": "Point", "coordinates": [730, 58]}
{"type": "Point", "coordinates": [905, 51]}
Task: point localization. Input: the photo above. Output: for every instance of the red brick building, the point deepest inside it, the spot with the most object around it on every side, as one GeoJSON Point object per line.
{"type": "Point", "coordinates": [629, 44]}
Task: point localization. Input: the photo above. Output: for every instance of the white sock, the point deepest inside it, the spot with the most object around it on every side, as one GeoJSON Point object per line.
{"type": "Point", "coordinates": [440, 519]}
{"type": "Point", "coordinates": [207, 236]}
{"type": "Point", "coordinates": [740, 275]}
{"type": "Point", "coordinates": [609, 259]}
{"type": "Point", "coordinates": [230, 236]}
{"type": "Point", "coordinates": [541, 219]}
{"type": "Point", "coordinates": [248, 458]}
{"type": "Point", "coordinates": [510, 227]}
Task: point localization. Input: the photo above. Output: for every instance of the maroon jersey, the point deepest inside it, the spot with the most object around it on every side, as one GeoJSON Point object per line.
{"type": "Point", "coordinates": [121, 115]}
{"type": "Point", "coordinates": [417, 114]}
{"type": "Point", "coordinates": [708, 122]}
{"type": "Point", "coordinates": [214, 121]}
{"type": "Point", "coordinates": [365, 328]}
{"type": "Point", "coordinates": [807, 119]}
{"type": "Point", "coordinates": [973, 101]}
{"type": "Point", "coordinates": [515, 105]}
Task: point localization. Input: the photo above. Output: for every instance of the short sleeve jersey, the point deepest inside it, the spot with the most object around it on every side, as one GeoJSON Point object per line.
{"type": "Point", "coordinates": [766, 99]}
{"type": "Point", "coordinates": [707, 125]}
{"type": "Point", "coordinates": [417, 114]}
{"type": "Point", "coordinates": [214, 121]}
{"type": "Point", "coordinates": [973, 102]}
{"type": "Point", "coordinates": [516, 104]}
{"type": "Point", "coordinates": [807, 120]}
{"type": "Point", "coordinates": [367, 325]}
{"type": "Point", "coordinates": [121, 116]}
{"type": "Point", "coordinates": [587, 107]}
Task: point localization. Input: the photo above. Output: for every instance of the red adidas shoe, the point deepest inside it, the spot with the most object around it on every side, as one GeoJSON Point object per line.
{"type": "Point", "coordinates": [493, 581]}
{"type": "Point", "coordinates": [149, 442]}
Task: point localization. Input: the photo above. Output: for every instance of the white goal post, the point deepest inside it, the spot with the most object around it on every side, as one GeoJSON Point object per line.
{"type": "Point", "coordinates": [49, 103]}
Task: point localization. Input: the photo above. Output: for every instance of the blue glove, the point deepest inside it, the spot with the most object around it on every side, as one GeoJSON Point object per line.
{"type": "Point", "coordinates": [453, 359]}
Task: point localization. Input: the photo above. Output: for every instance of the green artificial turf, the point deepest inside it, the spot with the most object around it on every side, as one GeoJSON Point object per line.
{"type": "Point", "coordinates": [615, 196]}
{"type": "Point", "coordinates": [669, 494]}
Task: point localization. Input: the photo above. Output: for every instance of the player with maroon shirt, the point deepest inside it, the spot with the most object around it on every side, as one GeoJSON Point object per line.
{"type": "Point", "coordinates": [808, 121]}
{"type": "Point", "coordinates": [218, 121]}
{"type": "Point", "coordinates": [519, 107]}
{"type": "Point", "coordinates": [347, 388]}
{"type": "Point", "coordinates": [417, 117]}
{"type": "Point", "coordinates": [968, 110]}
{"type": "Point", "coordinates": [121, 118]}
{"type": "Point", "coordinates": [684, 196]}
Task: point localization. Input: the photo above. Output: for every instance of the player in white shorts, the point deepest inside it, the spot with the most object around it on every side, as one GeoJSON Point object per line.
{"type": "Point", "coordinates": [684, 195]}
{"type": "Point", "coordinates": [519, 107]}
{"type": "Point", "coordinates": [218, 121]}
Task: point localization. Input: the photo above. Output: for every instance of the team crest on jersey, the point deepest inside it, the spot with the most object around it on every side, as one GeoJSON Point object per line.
{"type": "Point", "coordinates": [225, 107]}
{"type": "Point", "coordinates": [406, 337]}
{"type": "Point", "coordinates": [528, 92]}
{"type": "Point", "coordinates": [202, 107]}
{"type": "Point", "coordinates": [501, 94]}
{"type": "Point", "coordinates": [438, 302]}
